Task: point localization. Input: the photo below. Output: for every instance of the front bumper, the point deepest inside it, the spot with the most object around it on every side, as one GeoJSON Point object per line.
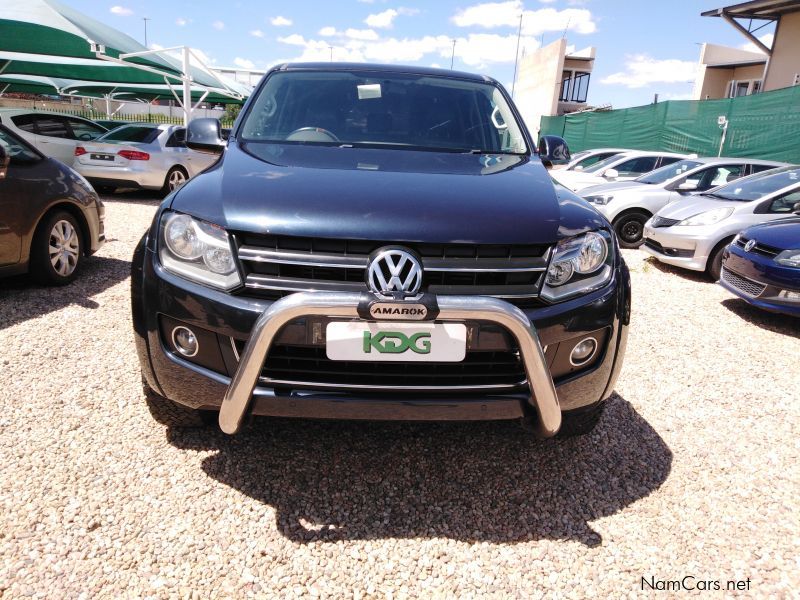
{"type": "Point", "coordinates": [678, 247]}
{"type": "Point", "coordinates": [237, 389]}
{"type": "Point", "coordinates": [759, 280]}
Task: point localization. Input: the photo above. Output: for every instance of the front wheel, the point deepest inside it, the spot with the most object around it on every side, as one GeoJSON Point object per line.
{"type": "Point", "coordinates": [580, 422]}
{"type": "Point", "coordinates": [175, 178]}
{"type": "Point", "coordinates": [714, 264]}
{"type": "Point", "coordinates": [57, 249]}
{"type": "Point", "coordinates": [630, 229]}
{"type": "Point", "coordinates": [171, 413]}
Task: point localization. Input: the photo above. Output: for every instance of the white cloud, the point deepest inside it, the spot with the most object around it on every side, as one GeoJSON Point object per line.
{"type": "Point", "coordinates": [121, 11]}
{"type": "Point", "coordinates": [328, 31]}
{"type": "Point", "coordinates": [244, 63]}
{"type": "Point", "coordinates": [642, 70]}
{"type": "Point", "coordinates": [382, 20]}
{"type": "Point", "coordinates": [294, 40]}
{"type": "Point", "coordinates": [765, 39]}
{"type": "Point", "coordinates": [491, 15]}
{"type": "Point", "coordinates": [180, 21]}
{"type": "Point", "coordinates": [361, 34]}
{"type": "Point", "coordinates": [257, 33]}
{"type": "Point", "coordinates": [280, 21]}
{"type": "Point", "coordinates": [218, 25]}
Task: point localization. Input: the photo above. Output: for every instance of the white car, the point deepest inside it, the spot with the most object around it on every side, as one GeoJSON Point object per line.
{"type": "Point", "coordinates": [140, 155]}
{"type": "Point", "coordinates": [586, 158]}
{"type": "Point", "coordinates": [693, 233]}
{"type": "Point", "coordinates": [629, 204]}
{"type": "Point", "coordinates": [53, 134]}
{"type": "Point", "coordinates": [619, 167]}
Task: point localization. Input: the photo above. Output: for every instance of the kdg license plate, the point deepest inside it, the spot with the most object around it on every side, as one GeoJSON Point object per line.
{"type": "Point", "coordinates": [413, 342]}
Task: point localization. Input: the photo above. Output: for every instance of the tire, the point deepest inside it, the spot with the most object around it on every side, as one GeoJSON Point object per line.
{"type": "Point", "coordinates": [57, 249]}
{"type": "Point", "coordinates": [175, 178]}
{"type": "Point", "coordinates": [170, 413]}
{"type": "Point", "coordinates": [630, 229]}
{"type": "Point", "coordinates": [580, 422]}
{"type": "Point", "coordinates": [714, 264]}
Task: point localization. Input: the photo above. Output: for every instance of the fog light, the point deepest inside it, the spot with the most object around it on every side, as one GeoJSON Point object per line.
{"type": "Point", "coordinates": [185, 341]}
{"type": "Point", "coordinates": [583, 352]}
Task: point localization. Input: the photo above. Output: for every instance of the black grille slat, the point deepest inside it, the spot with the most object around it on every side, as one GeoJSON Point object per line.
{"type": "Point", "coordinates": [744, 285]}
{"type": "Point", "coordinates": [310, 366]}
{"type": "Point", "coordinates": [762, 249]}
{"type": "Point", "coordinates": [658, 221]}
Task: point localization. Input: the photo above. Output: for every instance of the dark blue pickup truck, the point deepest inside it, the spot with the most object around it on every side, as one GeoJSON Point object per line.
{"type": "Point", "coordinates": [378, 242]}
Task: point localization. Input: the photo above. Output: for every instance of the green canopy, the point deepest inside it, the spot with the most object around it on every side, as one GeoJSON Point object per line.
{"type": "Point", "coordinates": [46, 39]}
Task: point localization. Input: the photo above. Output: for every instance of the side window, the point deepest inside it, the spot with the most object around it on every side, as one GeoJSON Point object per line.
{"type": "Point", "coordinates": [714, 176]}
{"type": "Point", "coordinates": [784, 204]}
{"type": "Point", "coordinates": [51, 126]}
{"type": "Point", "coordinates": [24, 122]}
{"type": "Point", "coordinates": [177, 139]}
{"type": "Point", "coordinates": [83, 130]}
{"type": "Point", "coordinates": [588, 162]}
{"type": "Point", "coordinates": [760, 168]}
{"type": "Point", "coordinates": [637, 166]}
{"type": "Point", "coordinates": [668, 160]}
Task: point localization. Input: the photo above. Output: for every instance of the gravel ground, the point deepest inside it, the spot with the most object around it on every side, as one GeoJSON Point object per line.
{"type": "Point", "coordinates": [692, 471]}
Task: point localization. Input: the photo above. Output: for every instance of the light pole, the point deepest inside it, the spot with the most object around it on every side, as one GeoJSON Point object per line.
{"type": "Point", "coordinates": [331, 49]}
{"type": "Point", "coordinates": [453, 55]}
{"type": "Point", "coordinates": [145, 19]}
{"type": "Point", "coordinates": [516, 56]}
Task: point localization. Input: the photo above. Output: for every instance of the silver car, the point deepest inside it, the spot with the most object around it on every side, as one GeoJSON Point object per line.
{"type": "Point", "coordinates": [618, 167]}
{"type": "Point", "coordinates": [693, 233]}
{"type": "Point", "coordinates": [586, 158]}
{"type": "Point", "coordinates": [140, 155]}
{"type": "Point", "coordinates": [629, 204]}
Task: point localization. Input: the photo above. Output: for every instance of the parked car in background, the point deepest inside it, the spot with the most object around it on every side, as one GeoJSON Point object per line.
{"type": "Point", "coordinates": [693, 233]}
{"type": "Point", "coordinates": [53, 134]}
{"type": "Point", "coordinates": [629, 204]}
{"type": "Point", "coordinates": [619, 167]}
{"type": "Point", "coordinates": [762, 265]}
{"type": "Point", "coordinates": [586, 158]}
{"type": "Point", "coordinates": [111, 123]}
{"type": "Point", "coordinates": [140, 155]}
{"type": "Point", "coordinates": [50, 217]}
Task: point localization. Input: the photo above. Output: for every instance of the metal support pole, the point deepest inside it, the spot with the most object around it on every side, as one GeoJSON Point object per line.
{"type": "Point", "coordinates": [187, 89]}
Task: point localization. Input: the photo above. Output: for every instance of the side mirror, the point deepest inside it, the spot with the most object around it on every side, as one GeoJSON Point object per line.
{"type": "Point", "coordinates": [796, 209]}
{"type": "Point", "coordinates": [205, 135]}
{"type": "Point", "coordinates": [577, 168]}
{"type": "Point", "coordinates": [553, 149]}
{"type": "Point", "coordinates": [687, 186]}
{"type": "Point", "coordinates": [610, 173]}
{"type": "Point", "coordinates": [5, 159]}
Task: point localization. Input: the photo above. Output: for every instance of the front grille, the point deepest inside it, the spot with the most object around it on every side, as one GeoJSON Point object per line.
{"type": "Point", "coordinates": [744, 285]}
{"type": "Point", "coordinates": [674, 252]}
{"type": "Point", "coordinates": [762, 249]}
{"type": "Point", "coordinates": [293, 366]}
{"type": "Point", "coordinates": [278, 265]}
{"type": "Point", "coordinates": [663, 222]}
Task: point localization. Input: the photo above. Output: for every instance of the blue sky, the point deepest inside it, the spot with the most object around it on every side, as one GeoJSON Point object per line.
{"type": "Point", "coordinates": [643, 47]}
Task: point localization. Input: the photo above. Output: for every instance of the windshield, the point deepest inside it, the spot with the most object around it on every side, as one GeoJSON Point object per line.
{"type": "Point", "coordinates": [383, 109]}
{"type": "Point", "coordinates": [747, 190]}
{"type": "Point", "coordinates": [669, 172]}
{"type": "Point", "coordinates": [131, 133]}
{"type": "Point", "coordinates": [603, 164]}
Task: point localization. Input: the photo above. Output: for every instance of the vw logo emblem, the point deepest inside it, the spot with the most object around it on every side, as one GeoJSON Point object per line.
{"type": "Point", "coordinates": [394, 271]}
{"type": "Point", "coordinates": [749, 245]}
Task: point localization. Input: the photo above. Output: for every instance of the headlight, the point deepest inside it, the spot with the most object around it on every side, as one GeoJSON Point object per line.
{"type": "Point", "coordinates": [710, 217]}
{"type": "Point", "coordinates": [601, 199]}
{"type": "Point", "coordinates": [197, 250]}
{"type": "Point", "coordinates": [789, 258]}
{"type": "Point", "coordinates": [578, 265]}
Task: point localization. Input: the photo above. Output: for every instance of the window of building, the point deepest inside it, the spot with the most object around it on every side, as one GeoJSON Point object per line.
{"type": "Point", "coordinates": [566, 81]}
{"type": "Point", "coordinates": [580, 87]}
{"type": "Point", "coordinates": [737, 88]}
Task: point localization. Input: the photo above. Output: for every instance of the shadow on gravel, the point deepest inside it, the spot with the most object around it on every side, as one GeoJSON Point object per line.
{"type": "Point", "coordinates": [778, 323]}
{"type": "Point", "coordinates": [479, 482]}
{"type": "Point", "coordinates": [699, 276]}
{"type": "Point", "coordinates": [21, 298]}
{"type": "Point", "coordinates": [144, 197]}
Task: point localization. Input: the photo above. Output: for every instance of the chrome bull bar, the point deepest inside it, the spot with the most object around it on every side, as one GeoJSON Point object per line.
{"type": "Point", "coordinates": [345, 305]}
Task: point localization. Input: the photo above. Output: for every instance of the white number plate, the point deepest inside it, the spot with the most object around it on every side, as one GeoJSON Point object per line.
{"type": "Point", "coordinates": [407, 342]}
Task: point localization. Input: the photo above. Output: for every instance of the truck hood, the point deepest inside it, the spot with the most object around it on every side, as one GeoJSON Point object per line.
{"type": "Point", "coordinates": [381, 194]}
{"type": "Point", "coordinates": [783, 234]}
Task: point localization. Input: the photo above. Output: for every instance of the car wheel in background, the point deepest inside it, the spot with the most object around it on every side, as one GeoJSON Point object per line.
{"type": "Point", "coordinates": [630, 229]}
{"type": "Point", "coordinates": [714, 264]}
{"type": "Point", "coordinates": [175, 178]}
{"type": "Point", "coordinates": [57, 249]}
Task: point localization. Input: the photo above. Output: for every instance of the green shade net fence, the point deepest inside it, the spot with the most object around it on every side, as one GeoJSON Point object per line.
{"type": "Point", "coordinates": [765, 126]}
